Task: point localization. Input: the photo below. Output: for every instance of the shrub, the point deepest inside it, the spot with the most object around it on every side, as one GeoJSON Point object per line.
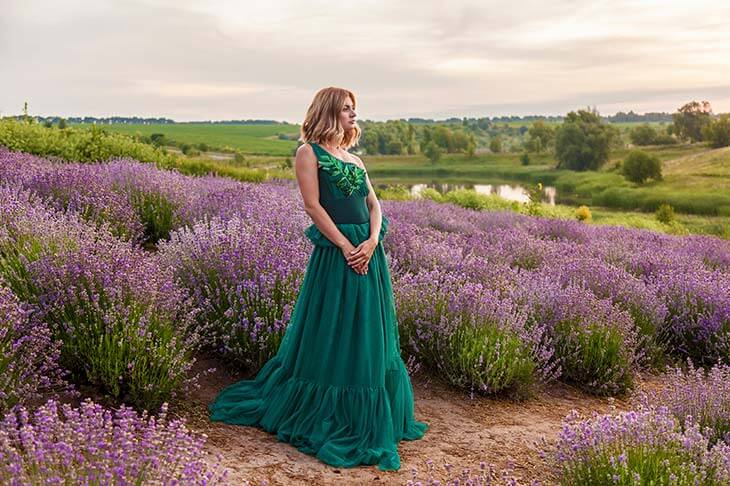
{"type": "Point", "coordinates": [399, 192]}
{"type": "Point", "coordinates": [643, 135]}
{"type": "Point", "coordinates": [583, 213]}
{"type": "Point", "coordinates": [244, 288]}
{"type": "Point", "coordinates": [125, 327]}
{"type": "Point", "coordinates": [698, 321]}
{"type": "Point", "coordinates": [594, 342]}
{"type": "Point", "coordinates": [91, 445]}
{"type": "Point", "coordinates": [717, 132]}
{"type": "Point", "coordinates": [645, 446]}
{"type": "Point", "coordinates": [77, 144]}
{"type": "Point", "coordinates": [28, 356]}
{"type": "Point", "coordinates": [640, 166]}
{"type": "Point", "coordinates": [703, 396]}
{"type": "Point", "coordinates": [465, 333]}
{"type": "Point", "coordinates": [665, 213]}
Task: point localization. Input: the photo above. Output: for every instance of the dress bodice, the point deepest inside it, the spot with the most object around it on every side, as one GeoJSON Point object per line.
{"type": "Point", "coordinates": [343, 188]}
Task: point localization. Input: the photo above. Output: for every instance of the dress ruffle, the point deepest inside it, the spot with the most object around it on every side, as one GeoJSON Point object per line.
{"type": "Point", "coordinates": [344, 426]}
{"type": "Point", "coordinates": [355, 232]}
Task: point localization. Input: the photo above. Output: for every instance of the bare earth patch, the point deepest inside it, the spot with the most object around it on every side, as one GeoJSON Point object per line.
{"type": "Point", "coordinates": [462, 432]}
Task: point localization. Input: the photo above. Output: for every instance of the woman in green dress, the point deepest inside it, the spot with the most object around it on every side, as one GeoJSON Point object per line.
{"type": "Point", "coordinates": [337, 388]}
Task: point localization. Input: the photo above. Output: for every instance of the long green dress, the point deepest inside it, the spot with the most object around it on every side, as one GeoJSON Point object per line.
{"type": "Point", "coordinates": [337, 388]}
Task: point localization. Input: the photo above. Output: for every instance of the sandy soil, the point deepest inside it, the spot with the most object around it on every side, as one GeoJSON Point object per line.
{"type": "Point", "coordinates": [462, 432]}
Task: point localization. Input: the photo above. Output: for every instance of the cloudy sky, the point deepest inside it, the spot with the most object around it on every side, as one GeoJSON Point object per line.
{"type": "Point", "coordinates": [233, 59]}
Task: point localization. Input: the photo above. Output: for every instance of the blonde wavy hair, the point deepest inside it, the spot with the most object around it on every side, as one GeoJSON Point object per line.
{"type": "Point", "coordinates": [322, 122]}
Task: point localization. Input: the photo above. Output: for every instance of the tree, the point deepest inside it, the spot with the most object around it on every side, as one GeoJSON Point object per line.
{"type": "Point", "coordinates": [541, 136]}
{"type": "Point", "coordinates": [157, 139]}
{"type": "Point", "coordinates": [717, 132]}
{"type": "Point", "coordinates": [640, 166]}
{"type": "Point", "coordinates": [433, 151]}
{"type": "Point", "coordinates": [495, 145]}
{"type": "Point", "coordinates": [582, 142]}
{"type": "Point", "coordinates": [443, 138]}
{"type": "Point", "coordinates": [690, 120]}
{"type": "Point", "coordinates": [643, 135]}
{"type": "Point", "coordinates": [62, 123]}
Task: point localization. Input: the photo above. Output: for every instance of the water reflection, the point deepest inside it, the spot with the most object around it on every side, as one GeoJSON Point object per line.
{"type": "Point", "coordinates": [506, 191]}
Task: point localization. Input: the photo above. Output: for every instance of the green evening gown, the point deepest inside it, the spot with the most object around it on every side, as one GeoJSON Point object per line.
{"type": "Point", "coordinates": [337, 388]}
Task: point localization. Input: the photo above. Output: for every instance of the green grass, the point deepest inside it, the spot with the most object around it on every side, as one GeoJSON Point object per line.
{"type": "Point", "coordinates": [252, 139]}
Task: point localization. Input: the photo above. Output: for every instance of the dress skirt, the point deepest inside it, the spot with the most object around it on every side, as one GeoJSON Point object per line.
{"type": "Point", "coordinates": [337, 388]}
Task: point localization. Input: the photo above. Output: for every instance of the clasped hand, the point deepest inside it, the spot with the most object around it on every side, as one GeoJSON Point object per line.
{"type": "Point", "coordinates": [358, 257]}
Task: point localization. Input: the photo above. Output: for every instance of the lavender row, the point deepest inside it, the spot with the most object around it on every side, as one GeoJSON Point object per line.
{"type": "Point", "coordinates": [122, 323]}
{"type": "Point", "coordinates": [139, 202]}
{"type": "Point", "coordinates": [676, 435]}
{"type": "Point", "coordinates": [88, 444]}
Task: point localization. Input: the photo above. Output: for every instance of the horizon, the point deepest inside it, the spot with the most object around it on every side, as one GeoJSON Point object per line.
{"type": "Point", "coordinates": [221, 60]}
{"type": "Point", "coordinates": [533, 115]}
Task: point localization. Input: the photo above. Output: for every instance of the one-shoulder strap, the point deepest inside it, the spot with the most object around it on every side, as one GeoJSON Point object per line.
{"type": "Point", "coordinates": [318, 151]}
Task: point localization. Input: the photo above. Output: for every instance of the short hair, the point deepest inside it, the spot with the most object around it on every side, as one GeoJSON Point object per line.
{"type": "Point", "coordinates": [322, 122]}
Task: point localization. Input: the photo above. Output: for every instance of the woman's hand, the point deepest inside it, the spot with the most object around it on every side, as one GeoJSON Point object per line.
{"type": "Point", "coordinates": [358, 257]}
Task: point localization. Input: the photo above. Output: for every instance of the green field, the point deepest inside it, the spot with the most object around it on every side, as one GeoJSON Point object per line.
{"type": "Point", "coordinates": [252, 139]}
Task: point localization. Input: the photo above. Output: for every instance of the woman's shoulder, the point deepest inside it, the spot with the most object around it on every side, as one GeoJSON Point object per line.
{"type": "Point", "coordinates": [306, 151]}
{"type": "Point", "coordinates": [305, 148]}
{"type": "Point", "coordinates": [305, 156]}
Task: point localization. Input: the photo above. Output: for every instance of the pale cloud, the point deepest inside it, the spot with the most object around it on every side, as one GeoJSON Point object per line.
{"type": "Point", "coordinates": [265, 59]}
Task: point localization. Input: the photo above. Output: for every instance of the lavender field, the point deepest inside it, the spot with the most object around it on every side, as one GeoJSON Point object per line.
{"type": "Point", "coordinates": [121, 278]}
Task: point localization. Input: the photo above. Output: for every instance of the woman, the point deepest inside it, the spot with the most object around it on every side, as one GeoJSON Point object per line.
{"type": "Point", "coordinates": [337, 387]}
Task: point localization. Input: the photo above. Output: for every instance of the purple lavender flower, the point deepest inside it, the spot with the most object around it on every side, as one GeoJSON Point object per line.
{"type": "Point", "coordinates": [28, 356]}
{"type": "Point", "coordinates": [646, 445]}
{"type": "Point", "coordinates": [90, 444]}
{"type": "Point", "coordinates": [702, 395]}
{"type": "Point", "coordinates": [244, 276]}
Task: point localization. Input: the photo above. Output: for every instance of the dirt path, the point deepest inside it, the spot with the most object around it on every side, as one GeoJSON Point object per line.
{"type": "Point", "coordinates": [462, 432]}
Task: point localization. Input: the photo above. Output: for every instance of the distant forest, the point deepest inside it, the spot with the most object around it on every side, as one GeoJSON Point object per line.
{"type": "Point", "coordinates": [617, 118]}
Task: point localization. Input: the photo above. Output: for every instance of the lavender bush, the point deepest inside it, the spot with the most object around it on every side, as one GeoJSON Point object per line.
{"type": "Point", "coordinates": [623, 289]}
{"type": "Point", "coordinates": [646, 446]}
{"type": "Point", "coordinates": [464, 332]}
{"type": "Point", "coordinates": [698, 322]}
{"type": "Point", "coordinates": [28, 356]}
{"type": "Point", "coordinates": [125, 326]}
{"type": "Point", "coordinates": [91, 445]}
{"type": "Point", "coordinates": [29, 230]}
{"type": "Point", "coordinates": [244, 277]}
{"type": "Point", "coordinates": [138, 201]}
{"type": "Point", "coordinates": [122, 323]}
{"type": "Point", "coordinates": [704, 396]}
{"type": "Point", "coordinates": [594, 342]}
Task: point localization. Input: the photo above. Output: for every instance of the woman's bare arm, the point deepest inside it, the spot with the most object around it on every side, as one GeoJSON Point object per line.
{"type": "Point", "coordinates": [305, 167]}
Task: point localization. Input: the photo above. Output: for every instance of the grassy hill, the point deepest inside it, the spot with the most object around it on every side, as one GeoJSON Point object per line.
{"type": "Point", "coordinates": [252, 139]}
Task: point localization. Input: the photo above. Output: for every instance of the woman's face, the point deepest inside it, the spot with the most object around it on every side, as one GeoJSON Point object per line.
{"type": "Point", "coordinates": [348, 117]}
